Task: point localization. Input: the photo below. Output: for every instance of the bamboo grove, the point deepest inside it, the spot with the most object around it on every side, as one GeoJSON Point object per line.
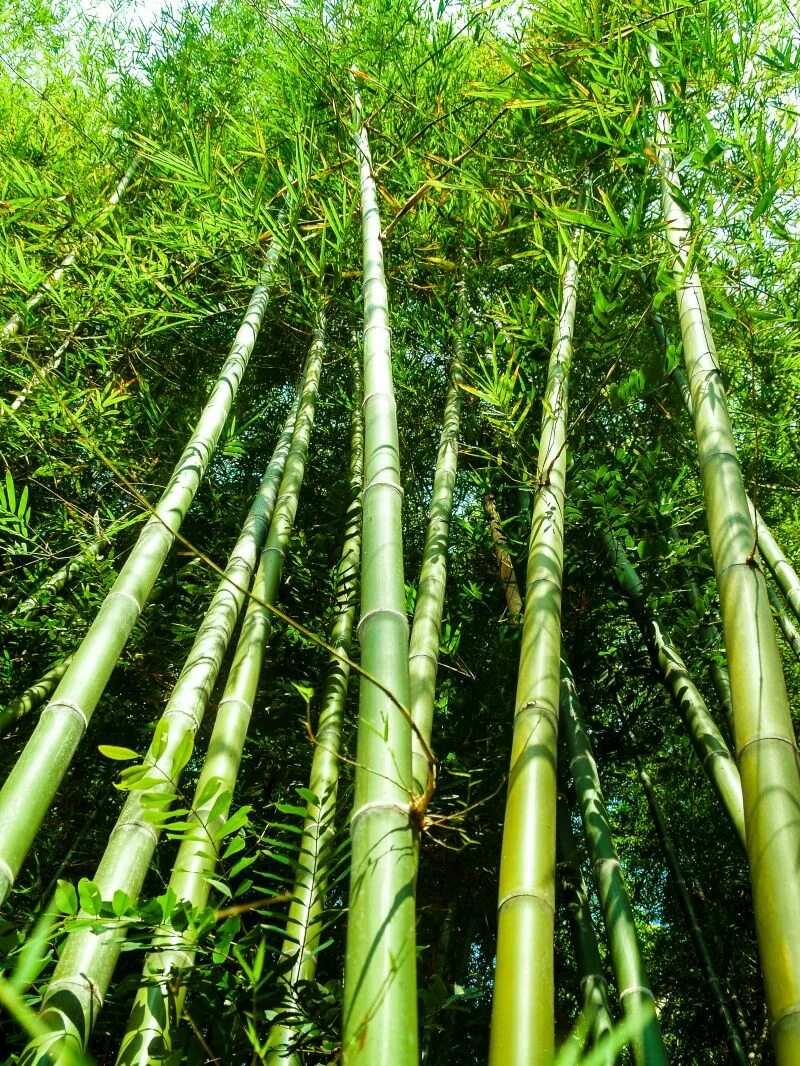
{"type": "Point", "coordinates": [400, 622]}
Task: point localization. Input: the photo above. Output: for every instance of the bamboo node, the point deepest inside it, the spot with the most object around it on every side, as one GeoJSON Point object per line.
{"type": "Point", "coordinates": [67, 705]}
{"type": "Point", "coordinates": [133, 823]}
{"type": "Point", "coordinates": [641, 990]}
{"type": "Point", "coordinates": [757, 737]}
{"type": "Point", "coordinates": [125, 596]}
{"type": "Point", "coordinates": [380, 805]}
{"type": "Point", "coordinates": [82, 982]}
{"type": "Point", "coordinates": [525, 895]}
{"type": "Point", "coordinates": [378, 483]}
{"type": "Point", "coordinates": [380, 610]}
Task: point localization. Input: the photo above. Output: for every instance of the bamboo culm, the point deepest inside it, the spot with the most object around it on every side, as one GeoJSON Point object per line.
{"type": "Point", "coordinates": [765, 741]}
{"type": "Point", "coordinates": [426, 627]}
{"type": "Point", "coordinates": [593, 986]}
{"type": "Point", "coordinates": [779, 566]}
{"type": "Point", "coordinates": [304, 922]}
{"type": "Point", "coordinates": [734, 1040]}
{"type": "Point", "coordinates": [34, 696]}
{"type": "Point", "coordinates": [380, 993]}
{"type": "Point", "coordinates": [159, 1002]}
{"type": "Point", "coordinates": [87, 961]}
{"type": "Point", "coordinates": [523, 1022]}
{"type": "Point", "coordinates": [707, 741]}
{"type": "Point", "coordinates": [633, 983]}
{"type": "Point", "coordinates": [34, 780]}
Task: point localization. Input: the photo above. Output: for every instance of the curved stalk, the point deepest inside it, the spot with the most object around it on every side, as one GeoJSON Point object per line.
{"type": "Point", "coordinates": [303, 926]}
{"type": "Point", "coordinates": [594, 990]}
{"type": "Point", "coordinates": [380, 995]}
{"type": "Point", "coordinates": [779, 566]}
{"type": "Point", "coordinates": [34, 696]}
{"type": "Point", "coordinates": [75, 994]}
{"type": "Point", "coordinates": [707, 741]}
{"type": "Point", "coordinates": [11, 328]}
{"type": "Point", "coordinates": [787, 627]}
{"type": "Point", "coordinates": [426, 627]}
{"type": "Point", "coordinates": [633, 984]}
{"type": "Point", "coordinates": [734, 1040]}
{"type": "Point", "coordinates": [523, 1023]}
{"type": "Point", "coordinates": [766, 748]}
{"type": "Point", "coordinates": [33, 783]}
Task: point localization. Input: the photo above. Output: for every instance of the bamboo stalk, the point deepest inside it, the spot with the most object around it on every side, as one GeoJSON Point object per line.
{"type": "Point", "coordinates": [787, 627]}
{"type": "Point", "coordinates": [505, 566]}
{"type": "Point", "coordinates": [303, 926]}
{"type": "Point", "coordinates": [766, 748]}
{"type": "Point", "coordinates": [380, 999]}
{"type": "Point", "coordinates": [734, 1039]}
{"type": "Point", "coordinates": [77, 989]}
{"type": "Point", "coordinates": [707, 741]}
{"type": "Point", "coordinates": [633, 984]}
{"type": "Point", "coordinates": [34, 696]}
{"type": "Point", "coordinates": [593, 986]}
{"type": "Point", "coordinates": [523, 1024]}
{"type": "Point", "coordinates": [11, 328]}
{"type": "Point", "coordinates": [426, 627]}
{"type": "Point", "coordinates": [779, 566]}
{"type": "Point", "coordinates": [34, 780]}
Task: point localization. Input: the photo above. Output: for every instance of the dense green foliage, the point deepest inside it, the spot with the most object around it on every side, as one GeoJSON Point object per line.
{"type": "Point", "coordinates": [497, 134]}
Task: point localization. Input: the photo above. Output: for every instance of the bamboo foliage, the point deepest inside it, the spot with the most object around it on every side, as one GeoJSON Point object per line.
{"type": "Point", "coordinates": [707, 741]}
{"type": "Point", "coordinates": [522, 1026]}
{"type": "Point", "coordinates": [75, 994]}
{"type": "Point", "coordinates": [12, 326]}
{"type": "Point", "coordinates": [426, 627]}
{"type": "Point", "coordinates": [633, 984]}
{"type": "Point", "coordinates": [159, 1003]}
{"type": "Point", "coordinates": [34, 780]}
{"type": "Point", "coordinates": [380, 1002]}
{"type": "Point", "coordinates": [765, 741]}
{"type": "Point", "coordinates": [304, 922]}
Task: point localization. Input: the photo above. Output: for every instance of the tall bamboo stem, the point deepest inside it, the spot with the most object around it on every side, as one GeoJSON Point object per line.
{"type": "Point", "coordinates": [785, 624]}
{"type": "Point", "coordinates": [34, 696]}
{"type": "Point", "coordinates": [707, 741]}
{"type": "Point", "coordinates": [633, 984]}
{"type": "Point", "coordinates": [380, 999]}
{"type": "Point", "coordinates": [304, 923]}
{"type": "Point", "coordinates": [766, 748]}
{"type": "Point", "coordinates": [426, 627]}
{"type": "Point", "coordinates": [523, 1024]}
{"type": "Point", "coordinates": [75, 994]}
{"type": "Point", "coordinates": [34, 780]}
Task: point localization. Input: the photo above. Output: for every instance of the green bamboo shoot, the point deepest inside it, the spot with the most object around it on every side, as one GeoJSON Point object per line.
{"type": "Point", "coordinates": [523, 1024]}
